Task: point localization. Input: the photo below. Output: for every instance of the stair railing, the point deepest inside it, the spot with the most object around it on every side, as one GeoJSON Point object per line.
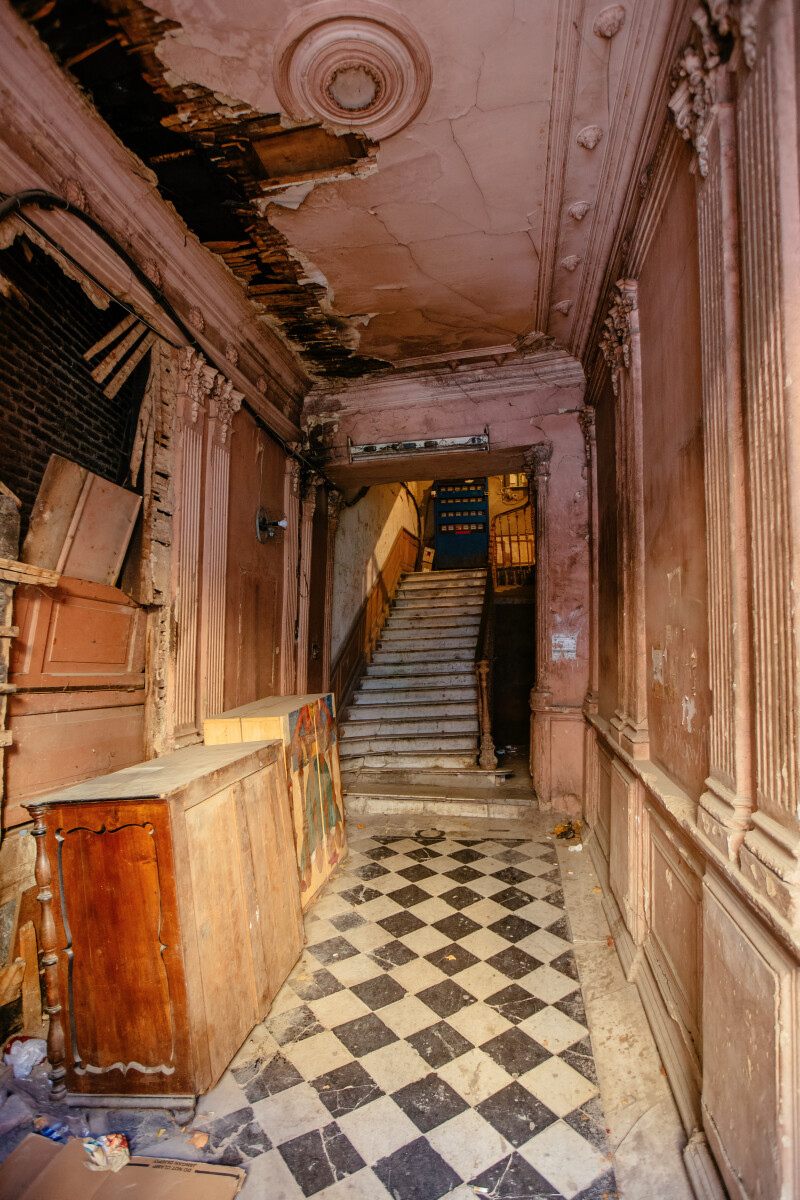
{"type": "Point", "coordinates": [512, 549]}
{"type": "Point", "coordinates": [484, 662]}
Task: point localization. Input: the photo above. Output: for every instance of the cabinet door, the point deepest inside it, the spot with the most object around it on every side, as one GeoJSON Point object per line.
{"type": "Point", "coordinates": [276, 922]}
{"type": "Point", "coordinates": [221, 920]}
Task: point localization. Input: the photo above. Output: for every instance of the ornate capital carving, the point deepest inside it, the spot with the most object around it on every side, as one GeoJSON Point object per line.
{"type": "Point", "coordinates": [335, 507]}
{"type": "Point", "coordinates": [292, 469]}
{"type": "Point", "coordinates": [537, 460]}
{"type": "Point", "coordinates": [225, 401]}
{"type": "Point", "coordinates": [587, 423]}
{"type": "Point", "coordinates": [197, 379]}
{"type": "Point", "coordinates": [308, 493]}
{"type": "Point", "coordinates": [615, 340]}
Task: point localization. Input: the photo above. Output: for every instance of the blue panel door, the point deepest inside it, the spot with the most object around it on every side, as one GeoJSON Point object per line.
{"type": "Point", "coordinates": [461, 523]}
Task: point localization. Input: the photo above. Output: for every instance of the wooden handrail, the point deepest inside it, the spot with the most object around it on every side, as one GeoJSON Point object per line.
{"type": "Point", "coordinates": [484, 671]}
{"type": "Point", "coordinates": [365, 632]}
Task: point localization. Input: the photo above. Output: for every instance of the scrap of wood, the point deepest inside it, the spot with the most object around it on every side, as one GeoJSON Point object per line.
{"type": "Point", "coordinates": [110, 337]}
{"type": "Point", "coordinates": [13, 571]}
{"type": "Point", "coordinates": [107, 365]}
{"type": "Point", "coordinates": [11, 980]}
{"type": "Point", "coordinates": [117, 381]}
{"type": "Point", "coordinates": [6, 491]}
{"type": "Point", "coordinates": [31, 988]}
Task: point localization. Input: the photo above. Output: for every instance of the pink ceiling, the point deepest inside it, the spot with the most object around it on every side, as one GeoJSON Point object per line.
{"type": "Point", "coordinates": [461, 238]}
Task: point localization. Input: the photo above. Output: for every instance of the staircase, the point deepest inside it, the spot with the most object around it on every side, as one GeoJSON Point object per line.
{"type": "Point", "coordinates": [417, 704]}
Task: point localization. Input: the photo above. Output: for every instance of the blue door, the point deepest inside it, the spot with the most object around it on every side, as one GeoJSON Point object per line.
{"type": "Point", "coordinates": [461, 523]}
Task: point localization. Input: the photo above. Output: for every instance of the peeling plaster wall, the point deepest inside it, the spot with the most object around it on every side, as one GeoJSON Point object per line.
{"type": "Point", "coordinates": [364, 537]}
{"type": "Point", "coordinates": [679, 700]}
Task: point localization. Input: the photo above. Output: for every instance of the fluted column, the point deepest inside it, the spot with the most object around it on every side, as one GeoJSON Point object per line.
{"type": "Point", "coordinates": [537, 465]}
{"type": "Point", "coordinates": [291, 505]}
{"type": "Point", "coordinates": [586, 419]}
{"type": "Point", "coordinates": [335, 505]}
{"type": "Point", "coordinates": [308, 508]}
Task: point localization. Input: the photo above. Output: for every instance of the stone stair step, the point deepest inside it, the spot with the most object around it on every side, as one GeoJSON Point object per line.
{"type": "Point", "coordinates": [462, 603]}
{"type": "Point", "coordinates": [388, 654]}
{"type": "Point", "coordinates": [391, 670]}
{"type": "Point", "coordinates": [443, 642]}
{"type": "Point", "coordinates": [422, 636]}
{"type": "Point", "coordinates": [434, 622]}
{"type": "Point", "coordinates": [407, 693]}
{"type": "Point", "coordinates": [435, 589]}
{"type": "Point", "coordinates": [413, 762]}
{"type": "Point", "coordinates": [424, 577]}
{"type": "Point", "coordinates": [389, 742]}
{"type": "Point", "coordinates": [407, 725]}
{"type": "Point", "coordinates": [411, 710]}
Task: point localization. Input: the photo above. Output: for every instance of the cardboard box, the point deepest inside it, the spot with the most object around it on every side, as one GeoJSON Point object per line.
{"type": "Point", "coordinates": [43, 1170]}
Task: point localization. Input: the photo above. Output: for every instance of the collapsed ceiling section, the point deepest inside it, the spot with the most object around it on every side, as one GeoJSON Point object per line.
{"type": "Point", "coordinates": [393, 183]}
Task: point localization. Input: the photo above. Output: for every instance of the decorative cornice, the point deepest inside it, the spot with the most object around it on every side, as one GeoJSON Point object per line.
{"type": "Point", "coordinates": [615, 340]}
{"type": "Point", "coordinates": [225, 401]}
{"type": "Point", "coordinates": [197, 380]}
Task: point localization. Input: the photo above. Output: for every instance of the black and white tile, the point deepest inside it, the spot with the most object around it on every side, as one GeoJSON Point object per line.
{"type": "Point", "coordinates": [431, 1041]}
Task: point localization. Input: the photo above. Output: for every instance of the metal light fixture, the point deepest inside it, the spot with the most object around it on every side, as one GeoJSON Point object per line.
{"type": "Point", "coordinates": [476, 441]}
{"type": "Point", "coordinates": [270, 525]}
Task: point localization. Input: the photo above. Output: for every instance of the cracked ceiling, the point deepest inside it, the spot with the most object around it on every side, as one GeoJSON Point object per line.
{"type": "Point", "coordinates": [484, 219]}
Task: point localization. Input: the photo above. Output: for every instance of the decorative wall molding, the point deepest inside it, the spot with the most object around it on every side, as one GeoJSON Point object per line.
{"type": "Point", "coordinates": [357, 65]}
{"type": "Point", "coordinates": [615, 341]}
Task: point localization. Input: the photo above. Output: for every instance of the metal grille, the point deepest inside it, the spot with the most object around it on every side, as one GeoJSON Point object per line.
{"type": "Point", "coordinates": [512, 547]}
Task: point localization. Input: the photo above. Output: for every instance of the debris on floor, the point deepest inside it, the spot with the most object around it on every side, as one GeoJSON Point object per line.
{"type": "Point", "coordinates": [568, 830]}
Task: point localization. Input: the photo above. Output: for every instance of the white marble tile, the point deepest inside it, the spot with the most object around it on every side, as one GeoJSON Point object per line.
{"type": "Point", "coordinates": [356, 969]}
{"type": "Point", "coordinates": [432, 910]}
{"type": "Point", "coordinates": [268, 1175]}
{"type": "Point", "coordinates": [565, 1159]}
{"type": "Point", "coordinates": [334, 1010]}
{"type": "Point", "coordinates": [484, 943]}
{"type": "Point", "coordinates": [416, 975]}
{"type": "Point", "coordinates": [330, 904]}
{"type": "Point", "coordinates": [474, 1076]}
{"type": "Point", "coordinates": [226, 1097]}
{"type": "Point", "coordinates": [394, 1066]}
{"type": "Point", "coordinates": [378, 1129]}
{"type": "Point", "coordinates": [316, 1055]}
{"type": "Point", "coordinates": [544, 945]}
{"type": "Point", "coordinates": [485, 912]}
{"type": "Point", "coordinates": [425, 941]}
{"type": "Point", "coordinates": [481, 980]}
{"type": "Point", "coordinates": [541, 913]}
{"type": "Point", "coordinates": [366, 937]}
{"type": "Point", "coordinates": [486, 885]}
{"type": "Point", "coordinates": [320, 930]}
{"type": "Point", "coordinates": [291, 1113]}
{"type": "Point", "coordinates": [558, 1086]}
{"type": "Point", "coordinates": [377, 909]}
{"type": "Point", "coordinates": [553, 1029]}
{"type": "Point", "coordinates": [407, 1016]}
{"type": "Point", "coordinates": [364, 1185]}
{"type": "Point", "coordinates": [469, 1143]}
{"type": "Point", "coordinates": [478, 1023]}
{"type": "Point", "coordinates": [549, 985]}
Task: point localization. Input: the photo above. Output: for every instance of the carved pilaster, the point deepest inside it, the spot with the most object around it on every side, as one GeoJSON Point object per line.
{"type": "Point", "coordinates": [620, 346]}
{"type": "Point", "coordinates": [335, 506]}
{"type": "Point", "coordinates": [291, 505]}
{"type": "Point", "coordinates": [586, 419]}
{"type": "Point", "coordinates": [537, 465]}
{"type": "Point", "coordinates": [308, 508]}
{"type": "Point", "coordinates": [725, 806]}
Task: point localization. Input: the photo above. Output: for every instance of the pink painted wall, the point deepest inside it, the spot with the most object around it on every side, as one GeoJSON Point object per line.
{"type": "Point", "coordinates": [679, 700]}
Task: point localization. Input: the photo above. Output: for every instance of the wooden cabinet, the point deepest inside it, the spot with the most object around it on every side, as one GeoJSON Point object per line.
{"type": "Point", "coordinates": [170, 918]}
{"type": "Point", "coordinates": [307, 727]}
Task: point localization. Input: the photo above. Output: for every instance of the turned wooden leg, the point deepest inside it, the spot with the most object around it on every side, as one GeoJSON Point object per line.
{"type": "Point", "coordinates": [55, 1034]}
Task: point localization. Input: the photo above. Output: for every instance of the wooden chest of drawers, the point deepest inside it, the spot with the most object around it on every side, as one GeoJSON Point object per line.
{"type": "Point", "coordinates": [170, 919]}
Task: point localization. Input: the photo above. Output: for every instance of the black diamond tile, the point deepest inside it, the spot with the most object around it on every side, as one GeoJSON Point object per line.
{"type": "Point", "coordinates": [556, 898]}
{"type": "Point", "coordinates": [236, 1137]}
{"type": "Point", "coordinates": [565, 963]}
{"type": "Point", "coordinates": [589, 1122]}
{"type": "Point", "coordinates": [511, 898]}
{"type": "Point", "coordinates": [428, 837]}
{"type": "Point", "coordinates": [469, 841]}
{"type": "Point", "coordinates": [370, 871]}
{"type": "Point", "coordinates": [346, 1088]}
{"type": "Point", "coordinates": [572, 1006]}
{"type": "Point", "coordinates": [467, 855]}
{"type": "Point", "coordinates": [580, 1057]}
{"type": "Point", "coordinates": [379, 853]}
{"type": "Point", "coordinates": [378, 992]}
{"type": "Point", "coordinates": [267, 1077]}
{"type": "Point", "coordinates": [456, 927]}
{"type": "Point", "coordinates": [512, 856]}
{"type": "Point", "coordinates": [515, 1051]}
{"type": "Point", "coordinates": [512, 1179]}
{"type": "Point", "coordinates": [599, 1189]}
{"type": "Point", "coordinates": [513, 929]}
{"type": "Point", "coordinates": [364, 1034]}
{"type": "Point", "coordinates": [439, 1044]}
{"type": "Point", "coordinates": [416, 1172]}
{"type": "Point", "coordinates": [452, 959]}
{"type": "Point", "coordinates": [294, 1025]}
{"type": "Point", "coordinates": [320, 1158]}
{"type": "Point", "coordinates": [393, 954]}
{"type": "Point", "coordinates": [463, 874]}
{"type": "Point", "coordinates": [345, 921]}
{"type": "Point", "coordinates": [387, 839]}
{"type": "Point", "coordinates": [516, 1113]}
{"type": "Point", "coordinates": [429, 1102]}
{"type": "Point", "coordinates": [360, 894]}
{"type": "Point", "coordinates": [333, 950]}
{"type": "Point", "coordinates": [515, 1004]}
{"type": "Point", "coordinates": [511, 875]}
{"type": "Point", "coordinates": [408, 896]}
{"type": "Point", "coordinates": [460, 897]}
{"type": "Point", "coordinates": [321, 983]}
{"type": "Point", "coordinates": [400, 924]}
{"type": "Point", "coordinates": [560, 929]}
{"type": "Point", "coordinates": [513, 962]}
{"type": "Point", "coordinates": [446, 998]}
{"type": "Point", "coordinates": [510, 842]}
{"type": "Point", "coordinates": [415, 873]}
{"type": "Point", "coordinates": [423, 854]}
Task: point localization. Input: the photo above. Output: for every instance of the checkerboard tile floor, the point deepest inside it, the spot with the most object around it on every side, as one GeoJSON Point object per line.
{"type": "Point", "coordinates": [431, 1041]}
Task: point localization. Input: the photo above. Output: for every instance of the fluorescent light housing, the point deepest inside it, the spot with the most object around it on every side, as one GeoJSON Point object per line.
{"type": "Point", "coordinates": [410, 446]}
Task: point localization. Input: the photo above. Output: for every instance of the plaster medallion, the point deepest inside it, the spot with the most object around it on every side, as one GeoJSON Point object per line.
{"type": "Point", "coordinates": [355, 66]}
{"type": "Point", "coordinates": [589, 136]}
{"type": "Point", "coordinates": [232, 354]}
{"type": "Point", "coordinates": [196, 319]}
{"type": "Point", "coordinates": [609, 21]}
{"type": "Point", "coordinates": [570, 262]}
{"type": "Point", "coordinates": [150, 268]}
{"type": "Point", "coordinates": [75, 195]}
{"type": "Point", "coordinates": [261, 384]}
{"type": "Point", "coordinates": [579, 209]}
{"type": "Point", "coordinates": [563, 306]}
